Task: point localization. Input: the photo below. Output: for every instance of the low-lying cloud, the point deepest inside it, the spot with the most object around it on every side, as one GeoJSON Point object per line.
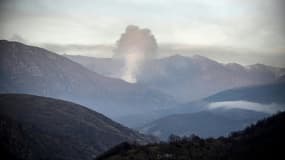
{"type": "Point", "coordinates": [96, 50]}
{"type": "Point", "coordinates": [266, 108]}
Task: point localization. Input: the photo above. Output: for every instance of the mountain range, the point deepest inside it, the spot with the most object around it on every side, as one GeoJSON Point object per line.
{"type": "Point", "coordinates": [156, 103]}
{"type": "Point", "coordinates": [33, 70]}
{"type": "Point", "coordinates": [265, 99]}
{"type": "Point", "coordinates": [266, 93]}
{"type": "Point", "coordinates": [216, 115]}
{"type": "Point", "coordinates": [188, 78]}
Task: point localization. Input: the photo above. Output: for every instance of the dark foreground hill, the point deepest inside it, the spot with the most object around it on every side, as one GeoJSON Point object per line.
{"type": "Point", "coordinates": [33, 127]}
{"type": "Point", "coordinates": [265, 140]}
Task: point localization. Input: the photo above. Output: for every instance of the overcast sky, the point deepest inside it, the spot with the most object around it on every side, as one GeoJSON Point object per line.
{"type": "Point", "coordinates": [243, 31]}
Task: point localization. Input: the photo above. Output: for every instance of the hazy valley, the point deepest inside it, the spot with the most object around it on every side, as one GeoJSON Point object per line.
{"type": "Point", "coordinates": [142, 80]}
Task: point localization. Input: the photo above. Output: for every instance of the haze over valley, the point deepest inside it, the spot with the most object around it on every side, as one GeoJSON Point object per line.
{"type": "Point", "coordinates": [138, 79]}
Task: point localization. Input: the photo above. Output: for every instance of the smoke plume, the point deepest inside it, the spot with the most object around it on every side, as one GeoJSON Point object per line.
{"type": "Point", "coordinates": [135, 47]}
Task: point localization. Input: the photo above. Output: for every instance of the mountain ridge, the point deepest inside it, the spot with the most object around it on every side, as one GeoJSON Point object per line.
{"type": "Point", "coordinates": [192, 73]}
{"type": "Point", "coordinates": [32, 70]}
{"type": "Point", "coordinates": [266, 93]}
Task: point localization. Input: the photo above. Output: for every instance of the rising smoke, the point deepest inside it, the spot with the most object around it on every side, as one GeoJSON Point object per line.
{"type": "Point", "coordinates": [135, 47]}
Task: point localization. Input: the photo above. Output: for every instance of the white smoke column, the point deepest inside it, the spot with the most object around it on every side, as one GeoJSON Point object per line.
{"type": "Point", "coordinates": [135, 47]}
{"type": "Point", "coordinates": [133, 62]}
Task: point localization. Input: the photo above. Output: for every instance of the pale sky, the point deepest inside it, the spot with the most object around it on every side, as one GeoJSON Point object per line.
{"type": "Point", "coordinates": [246, 31]}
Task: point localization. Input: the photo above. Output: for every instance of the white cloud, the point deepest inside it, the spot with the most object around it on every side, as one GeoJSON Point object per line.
{"type": "Point", "coordinates": [266, 108]}
{"type": "Point", "coordinates": [249, 24]}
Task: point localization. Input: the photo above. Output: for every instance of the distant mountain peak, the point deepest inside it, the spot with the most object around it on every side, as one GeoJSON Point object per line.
{"type": "Point", "coordinates": [197, 58]}
{"type": "Point", "coordinates": [235, 66]}
{"type": "Point", "coordinates": [203, 59]}
{"type": "Point", "coordinates": [258, 65]}
{"type": "Point", "coordinates": [177, 57]}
